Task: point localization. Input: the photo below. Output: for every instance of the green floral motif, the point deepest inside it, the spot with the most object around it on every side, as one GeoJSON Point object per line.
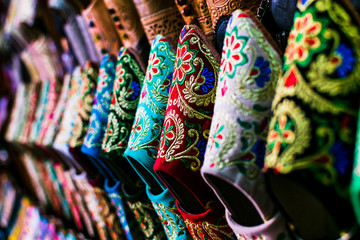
{"type": "Point", "coordinates": [128, 82]}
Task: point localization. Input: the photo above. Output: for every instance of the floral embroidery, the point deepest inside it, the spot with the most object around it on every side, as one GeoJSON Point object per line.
{"type": "Point", "coordinates": [183, 65]}
{"type": "Point", "coordinates": [282, 135]}
{"type": "Point", "coordinates": [189, 108]}
{"type": "Point", "coordinates": [128, 82]}
{"type": "Point", "coordinates": [153, 68]}
{"type": "Point", "coordinates": [233, 52]}
{"type": "Point", "coordinates": [243, 101]}
{"type": "Point", "coordinates": [261, 72]}
{"type": "Point", "coordinates": [344, 60]}
{"type": "Point", "coordinates": [216, 138]}
{"type": "Point", "coordinates": [303, 38]}
{"type": "Point", "coordinates": [168, 134]}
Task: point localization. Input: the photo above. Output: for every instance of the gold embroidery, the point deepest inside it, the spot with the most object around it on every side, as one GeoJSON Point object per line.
{"type": "Point", "coordinates": [285, 161]}
{"type": "Point", "coordinates": [200, 230]}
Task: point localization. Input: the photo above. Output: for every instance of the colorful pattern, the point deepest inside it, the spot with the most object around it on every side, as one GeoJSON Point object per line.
{"type": "Point", "coordinates": [108, 213]}
{"type": "Point", "coordinates": [85, 104]}
{"type": "Point", "coordinates": [101, 107]}
{"type": "Point", "coordinates": [146, 217]}
{"type": "Point", "coordinates": [52, 102]}
{"type": "Point", "coordinates": [70, 112]}
{"type": "Point", "coordinates": [315, 113]}
{"type": "Point", "coordinates": [40, 112]}
{"type": "Point", "coordinates": [128, 82]}
{"type": "Point", "coordinates": [145, 135]}
{"type": "Point", "coordinates": [236, 147]}
{"type": "Point", "coordinates": [28, 110]}
{"type": "Point", "coordinates": [93, 205]}
{"type": "Point", "coordinates": [127, 219]}
{"type": "Point", "coordinates": [165, 206]}
{"type": "Point", "coordinates": [56, 117]}
{"type": "Point", "coordinates": [208, 225]}
{"type": "Point", "coordinates": [244, 96]}
{"type": "Point", "coordinates": [146, 130]}
{"type": "Point", "coordinates": [355, 180]}
{"type": "Point", "coordinates": [189, 111]}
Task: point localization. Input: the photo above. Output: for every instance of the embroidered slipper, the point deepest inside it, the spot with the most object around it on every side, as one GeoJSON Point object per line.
{"type": "Point", "coordinates": [128, 83]}
{"type": "Point", "coordinates": [165, 207]}
{"type": "Point", "coordinates": [145, 215]}
{"type": "Point", "coordinates": [311, 140]}
{"type": "Point", "coordinates": [187, 120]}
{"type": "Point", "coordinates": [87, 188]}
{"type": "Point", "coordinates": [250, 67]}
{"type": "Point", "coordinates": [144, 138]}
{"type": "Point", "coordinates": [129, 79]}
{"type": "Point", "coordinates": [100, 110]}
{"type": "Point", "coordinates": [145, 135]}
{"type": "Point", "coordinates": [89, 77]}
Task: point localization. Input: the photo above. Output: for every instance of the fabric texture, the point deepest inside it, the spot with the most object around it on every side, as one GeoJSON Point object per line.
{"type": "Point", "coordinates": [89, 77]}
{"type": "Point", "coordinates": [146, 217]}
{"type": "Point", "coordinates": [128, 82]}
{"type": "Point", "coordinates": [145, 135]}
{"type": "Point", "coordinates": [126, 94]}
{"type": "Point", "coordinates": [146, 130]}
{"type": "Point", "coordinates": [129, 79]}
{"type": "Point", "coordinates": [70, 112]}
{"type": "Point", "coordinates": [209, 225]}
{"type": "Point", "coordinates": [188, 115]}
{"type": "Point", "coordinates": [173, 223]}
{"type": "Point", "coordinates": [311, 138]}
{"type": "Point", "coordinates": [101, 107]}
{"type": "Point", "coordinates": [56, 117]}
{"type": "Point", "coordinates": [249, 71]}
{"type": "Point", "coordinates": [127, 218]}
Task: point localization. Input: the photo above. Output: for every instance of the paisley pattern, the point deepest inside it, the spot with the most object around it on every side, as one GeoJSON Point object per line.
{"type": "Point", "coordinates": [146, 130]}
{"type": "Point", "coordinates": [145, 133]}
{"type": "Point", "coordinates": [311, 133]}
{"type": "Point", "coordinates": [85, 104]}
{"type": "Point", "coordinates": [189, 111]}
{"type": "Point", "coordinates": [101, 107]}
{"type": "Point", "coordinates": [128, 82]}
{"type": "Point", "coordinates": [298, 140]}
